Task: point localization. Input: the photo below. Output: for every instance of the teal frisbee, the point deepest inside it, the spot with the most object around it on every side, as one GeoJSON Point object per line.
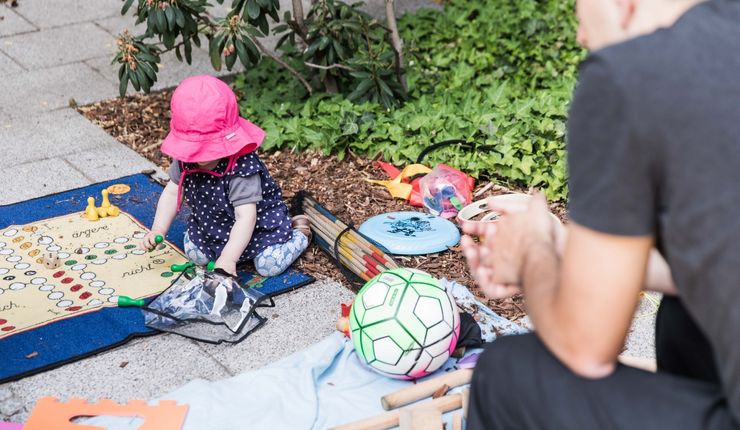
{"type": "Point", "coordinates": [411, 233]}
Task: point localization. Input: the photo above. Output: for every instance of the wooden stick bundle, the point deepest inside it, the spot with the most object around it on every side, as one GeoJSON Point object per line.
{"type": "Point", "coordinates": [352, 260]}
{"type": "Point", "coordinates": [322, 224]}
{"type": "Point", "coordinates": [349, 263]}
{"type": "Point", "coordinates": [349, 237]}
{"type": "Point", "coordinates": [369, 247]}
{"type": "Point", "coordinates": [353, 251]}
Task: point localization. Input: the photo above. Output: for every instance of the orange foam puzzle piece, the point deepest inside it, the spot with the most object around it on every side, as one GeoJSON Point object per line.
{"type": "Point", "coordinates": [50, 413]}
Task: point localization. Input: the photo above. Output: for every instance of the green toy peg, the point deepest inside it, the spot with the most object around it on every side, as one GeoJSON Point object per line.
{"type": "Point", "coordinates": [181, 267]}
{"type": "Point", "coordinates": [190, 266]}
{"type": "Point", "coordinates": [125, 301]}
{"type": "Point", "coordinates": [157, 240]}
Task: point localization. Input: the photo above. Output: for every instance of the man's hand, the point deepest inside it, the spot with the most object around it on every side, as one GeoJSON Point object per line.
{"type": "Point", "coordinates": [480, 260]}
{"type": "Point", "coordinates": [227, 265]}
{"type": "Point", "coordinates": [496, 263]}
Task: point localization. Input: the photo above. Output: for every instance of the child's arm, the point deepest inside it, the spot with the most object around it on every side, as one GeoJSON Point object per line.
{"type": "Point", "coordinates": [241, 234]}
{"type": "Point", "coordinates": [166, 212]}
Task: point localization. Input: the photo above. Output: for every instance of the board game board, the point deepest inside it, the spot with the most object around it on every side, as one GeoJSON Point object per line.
{"type": "Point", "coordinates": [99, 261]}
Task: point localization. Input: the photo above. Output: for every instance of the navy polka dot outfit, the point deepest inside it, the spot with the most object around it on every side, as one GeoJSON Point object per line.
{"type": "Point", "coordinates": [212, 215]}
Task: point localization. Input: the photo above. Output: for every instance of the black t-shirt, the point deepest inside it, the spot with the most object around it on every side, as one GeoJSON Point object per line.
{"type": "Point", "coordinates": [654, 149]}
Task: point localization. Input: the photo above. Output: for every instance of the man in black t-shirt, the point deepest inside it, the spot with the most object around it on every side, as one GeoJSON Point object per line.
{"type": "Point", "coordinates": [654, 164]}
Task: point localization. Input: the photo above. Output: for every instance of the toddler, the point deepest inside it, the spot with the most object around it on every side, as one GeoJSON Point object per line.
{"type": "Point", "coordinates": [237, 209]}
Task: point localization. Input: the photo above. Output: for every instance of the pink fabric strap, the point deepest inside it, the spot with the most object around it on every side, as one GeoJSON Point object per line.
{"type": "Point", "coordinates": [183, 172]}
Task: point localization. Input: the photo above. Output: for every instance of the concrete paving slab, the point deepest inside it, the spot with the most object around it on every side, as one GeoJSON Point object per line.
{"type": "Point", "coordinates": [376, 8]}
{"type": "Point", "coordinates": [38, 178]}
{"type": "Point", "coordinates": [171, 71]}
{"type": "Point", "coordinates": [8, 66]}
{"type": "Point", "coordinates": [62, 45]}
{"type": "Point", "coordinates": [62, 12]}
{"type": "Point", "coordinates": [12, 23]}
{"type": "Point", "coordinates": [43, 90]}
{"type": "Point", "coordinates": [641, 338]}
{"type": "Point", "coordinates": [116, 24]}
{"type": "Point", "coordinates": [141, 369]}
{"type": "Point", "coordinates": [109, 160]}
{"type": "Point", "coordinates": [299, 319]}
{"type": "Point", "coordinates": [50, 134]}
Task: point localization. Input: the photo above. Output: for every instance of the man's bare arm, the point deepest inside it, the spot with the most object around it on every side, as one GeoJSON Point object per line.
{"type": "Point", "coordinates": [582, 307]}
{"type": "Point", "coordinates": [581, 303]}
{"type": "Point", "coordinates": [658, 277]}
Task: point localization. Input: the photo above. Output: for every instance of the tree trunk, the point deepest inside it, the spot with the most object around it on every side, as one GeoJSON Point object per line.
{"type": "Point", "coordinates": [397, 44]}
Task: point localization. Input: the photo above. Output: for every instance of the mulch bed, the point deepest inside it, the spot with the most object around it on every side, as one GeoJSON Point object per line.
{"type": "Point", "coordinates": [142, 121]}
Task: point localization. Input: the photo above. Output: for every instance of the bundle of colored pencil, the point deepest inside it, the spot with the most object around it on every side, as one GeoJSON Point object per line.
{"type": "Point", "coordinates": [353, 250]}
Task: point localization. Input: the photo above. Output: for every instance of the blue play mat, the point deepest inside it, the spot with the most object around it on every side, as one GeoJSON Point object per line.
{"type": "Point", "coordinates": [71, 339]}
{"type": "Point", "coordinates": [411, 233]}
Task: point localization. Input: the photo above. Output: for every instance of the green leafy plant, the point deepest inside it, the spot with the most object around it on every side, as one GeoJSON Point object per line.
{"type": "Point", "coordinates": [138, 63]}
{"type": "Point", "coordinates": [375, 79]}
{"type": "Point", "coordinates": [346, 49]}
{"type": "Point", "coordinates": [332, 34]}
{"type": "Point", "coordinates": [496, 73]}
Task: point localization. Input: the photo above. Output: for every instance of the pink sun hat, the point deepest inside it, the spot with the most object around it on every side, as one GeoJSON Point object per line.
{"type": "Point", "coordinates": [205, 123]}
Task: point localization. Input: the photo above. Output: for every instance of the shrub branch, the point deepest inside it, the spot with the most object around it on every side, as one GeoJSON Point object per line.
{"type": "Point", "coordinates": [396, 43]}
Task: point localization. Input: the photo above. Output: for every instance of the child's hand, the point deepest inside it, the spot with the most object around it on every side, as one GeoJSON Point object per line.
{"type": "Point", "coordinates": [227, 265]}
{"type": "Point", "coordinates": [149, 241]}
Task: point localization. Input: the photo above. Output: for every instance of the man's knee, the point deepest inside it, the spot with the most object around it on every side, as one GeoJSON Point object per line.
{"type": "Point", "coordinates": [502, 377]}
{"type": "Point", "coordinates": [505, 363]}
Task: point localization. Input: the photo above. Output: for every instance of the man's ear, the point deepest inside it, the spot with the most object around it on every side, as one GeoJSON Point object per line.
{"type": "Point", "coordinates": [626, 11]}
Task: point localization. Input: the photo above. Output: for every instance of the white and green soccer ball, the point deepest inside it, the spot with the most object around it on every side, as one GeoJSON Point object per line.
{"type": "Point", "coordinates": [404, 324]}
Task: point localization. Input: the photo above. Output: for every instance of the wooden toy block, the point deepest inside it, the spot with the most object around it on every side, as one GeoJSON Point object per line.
{"type": "Point", "coordinates": [420, 419]}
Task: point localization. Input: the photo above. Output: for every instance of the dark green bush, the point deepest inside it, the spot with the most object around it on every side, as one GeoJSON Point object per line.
{"type": "Point", "coordinates": [334, 46]}
{"type": "Point", "coordinates": [495, 72]}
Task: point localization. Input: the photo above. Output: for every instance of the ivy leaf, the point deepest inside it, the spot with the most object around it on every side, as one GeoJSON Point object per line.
{"type": "Point", "coordinates": [350, 128]}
